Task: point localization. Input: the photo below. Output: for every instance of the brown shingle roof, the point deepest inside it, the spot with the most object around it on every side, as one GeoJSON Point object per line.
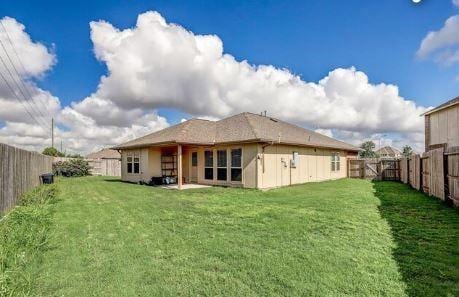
{"type": "Point", "coordinates": [442, 106]}
{"type": "Point", "coordinates": [244, 127]}
{"type": "Point", "coordinates": [104, 154]}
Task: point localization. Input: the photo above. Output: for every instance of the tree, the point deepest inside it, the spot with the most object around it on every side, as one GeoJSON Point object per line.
{"type": "Point", "coordinates": [407, 151]}
{"type": "Point", "coordinates": [51, 151]}
{"type": "Point", "coordinates": [368, 150]}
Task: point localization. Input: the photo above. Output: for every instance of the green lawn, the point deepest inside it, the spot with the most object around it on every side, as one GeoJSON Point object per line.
{"type": "Point", "coordinates": [346, 237]}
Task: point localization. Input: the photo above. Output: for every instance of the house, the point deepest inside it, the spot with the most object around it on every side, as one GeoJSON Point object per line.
{"type": "Point", "coordinates": [244, 150]}
{"type": "Point", "coordinates": [389, 152]}
{"type": "Point", "coordinates": [442, 126]}
{"type": "Point", "coordinates": [105, 154]}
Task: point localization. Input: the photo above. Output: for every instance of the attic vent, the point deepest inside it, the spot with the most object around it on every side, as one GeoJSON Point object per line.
{"type": "Point", "coordinates": [274, 120]}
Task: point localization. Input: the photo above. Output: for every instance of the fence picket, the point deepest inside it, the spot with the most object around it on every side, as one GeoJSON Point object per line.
{"type": "Point", "coordinates": [19, 172]}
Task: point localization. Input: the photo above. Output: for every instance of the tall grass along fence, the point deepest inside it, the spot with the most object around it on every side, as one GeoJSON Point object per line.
{"type": "Point", "coordinates": [20, 171]}
{"type": "Point", "coordinates": [104, 167]}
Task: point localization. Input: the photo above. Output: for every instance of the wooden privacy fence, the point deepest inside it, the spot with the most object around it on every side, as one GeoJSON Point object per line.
{"type": "Point", "coordinates": [453, 174]}
{"type": "Point", "coordinates": [375, 169]}
{"type": "Point", "coordinates": [436, 173]}
{"type": "Point", "coordinates": [104, 167]}
{"type": "Point", "coordinates": [20, 171]}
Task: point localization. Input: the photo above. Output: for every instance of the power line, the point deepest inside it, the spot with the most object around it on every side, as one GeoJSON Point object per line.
{"type": "Point", "coordinates": [12, 90]}
{"type": "Point", "coordinates": [19, 60]}
{"type": "Point", "coordinates": [18, 81]}
{"type": "Point", "coordinates": [14, 93]}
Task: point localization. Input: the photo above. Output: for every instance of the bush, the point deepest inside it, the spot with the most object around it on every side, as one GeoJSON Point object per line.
{"type": "Point", "coordinates": [24, 233]}
{"type": "Point", "coordinates": [72, 168]}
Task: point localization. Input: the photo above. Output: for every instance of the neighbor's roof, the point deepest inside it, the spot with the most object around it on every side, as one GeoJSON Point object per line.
{"type": "Point", "coordinates": [388, 150]}
{"type": "Point", "coordinates": [244, 127]}
{"type": "Point", "coordinates": [450, 103]}
{"type": "Point", "coordinates": [104, 154]}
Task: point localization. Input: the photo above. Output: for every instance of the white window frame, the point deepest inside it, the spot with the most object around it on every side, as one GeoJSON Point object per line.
{"type": "Point", "coordinates": [335, 162]}
{"type": "Point", "coordinates": [231, 167]}
{"type": "Point", "coordinates": [222, 167]}
{"type": "Point", "coordinates": [205, 164]}
{"type": "Point", "coordinates": [133, 157]}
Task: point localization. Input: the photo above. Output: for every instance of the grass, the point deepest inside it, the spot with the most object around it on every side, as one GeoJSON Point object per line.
{"type": "Point", "coordinates": [336, 238]}
{"type": "Point", "coordinates": [24, 232]}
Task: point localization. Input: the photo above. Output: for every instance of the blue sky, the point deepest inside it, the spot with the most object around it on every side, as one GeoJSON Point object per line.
{"type": "Point", "coordinates": [309, 38]}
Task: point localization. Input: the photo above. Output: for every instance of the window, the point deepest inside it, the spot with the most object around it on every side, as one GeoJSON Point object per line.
{"type": "Point", "coordinates": [209, 165]}
{"type": "Point", "coordinates": [129, 164]}
{"type": "Point", "coordinates": [133, 163]}
{"type": "Point", "coordinates": [335, 162]}
{"type": "Point", "coordinates": [194, 159]}
{"type": "Point", "coordinates": [221, 165]}
{"type": "Point", "coordinates": [136, 163]}
{"type": "Point", "coordinates": [236, 164]}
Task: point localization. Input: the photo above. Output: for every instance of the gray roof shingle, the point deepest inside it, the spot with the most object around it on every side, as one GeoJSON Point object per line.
{"type": "Point", "coordinates": [243, 127]}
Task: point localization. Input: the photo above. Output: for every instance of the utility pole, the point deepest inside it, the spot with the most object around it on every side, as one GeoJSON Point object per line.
{"type": "Point", "coordinates": [61, 146]}
{"type": "Point", "coordinates": [52, 132]}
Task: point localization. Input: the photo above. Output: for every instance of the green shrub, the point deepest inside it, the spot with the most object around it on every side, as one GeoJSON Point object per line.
{"type": "Point", "coordinates": [72, 168]}
{"type": "Point", "coordinates": [24, 232]}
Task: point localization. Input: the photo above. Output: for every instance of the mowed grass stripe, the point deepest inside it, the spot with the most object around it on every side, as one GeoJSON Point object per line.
{"type": "Point", "coordinates": [332, 238]}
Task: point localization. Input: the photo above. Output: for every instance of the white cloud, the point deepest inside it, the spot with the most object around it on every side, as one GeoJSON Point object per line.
{"type": "Point", "coordinates": [156, 64]}
{"type": "Point", "coordinates": [35, 57]}
{"type": "Point", "coordinates": [442, 44]}
{"type": "Point", "coordinates": [456, 3]}
{"type": "Point", "coordinates": [89, 124]}
{"type": "Point", "coordinates": [25, 109]}
{"type": "Point", "coordinates": [326, 132]}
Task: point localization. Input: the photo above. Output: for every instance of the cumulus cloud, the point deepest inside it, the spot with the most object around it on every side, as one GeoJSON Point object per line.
{"type": "Point", "coordinates": [156, 64]}
{"type": "Point", "coordinates": [35, 57]}
{"type": "Point", "coordinates": [443, 44]}
{"type": "Point", "coordinates": [26, 110]}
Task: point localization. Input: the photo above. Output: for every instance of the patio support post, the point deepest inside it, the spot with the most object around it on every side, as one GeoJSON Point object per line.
{"type": "Point", "coordinates": [179, 166]}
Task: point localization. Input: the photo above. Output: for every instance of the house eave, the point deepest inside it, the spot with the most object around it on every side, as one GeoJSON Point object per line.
{"type": "Point", "coordinates": [434, 110]}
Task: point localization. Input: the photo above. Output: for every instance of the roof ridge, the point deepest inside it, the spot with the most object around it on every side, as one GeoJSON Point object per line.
{"type": "Point", "coordinates": [184, 129]}
{"type": "Point", "coordinates": [252, 127]}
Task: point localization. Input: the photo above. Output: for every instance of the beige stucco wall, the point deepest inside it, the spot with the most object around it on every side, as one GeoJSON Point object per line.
{"type": "Point", "coordinates": [444, 127]}
{"type": "Point", "coordinates": [314, 165]}
{"type": "Point", "coordinates": [259, 170]}
{"type": "Point", "coordinates": [150, 164]}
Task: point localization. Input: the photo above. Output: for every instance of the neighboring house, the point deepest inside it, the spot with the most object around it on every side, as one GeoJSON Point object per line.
{"type": "Point", "coordinates": [106, 162]}
{"type": "Point", "coordinates": [442, 126]}
{"type": "Point", "coordinates": [245, 150]}
{"type": "Point", "coordinates": [105, 154]}
{"type": "Point", "coordinates": [389, 152]}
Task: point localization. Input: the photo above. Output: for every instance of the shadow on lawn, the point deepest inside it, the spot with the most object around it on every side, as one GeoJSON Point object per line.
{"type": "Point", "coordinates": [426, 234]}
